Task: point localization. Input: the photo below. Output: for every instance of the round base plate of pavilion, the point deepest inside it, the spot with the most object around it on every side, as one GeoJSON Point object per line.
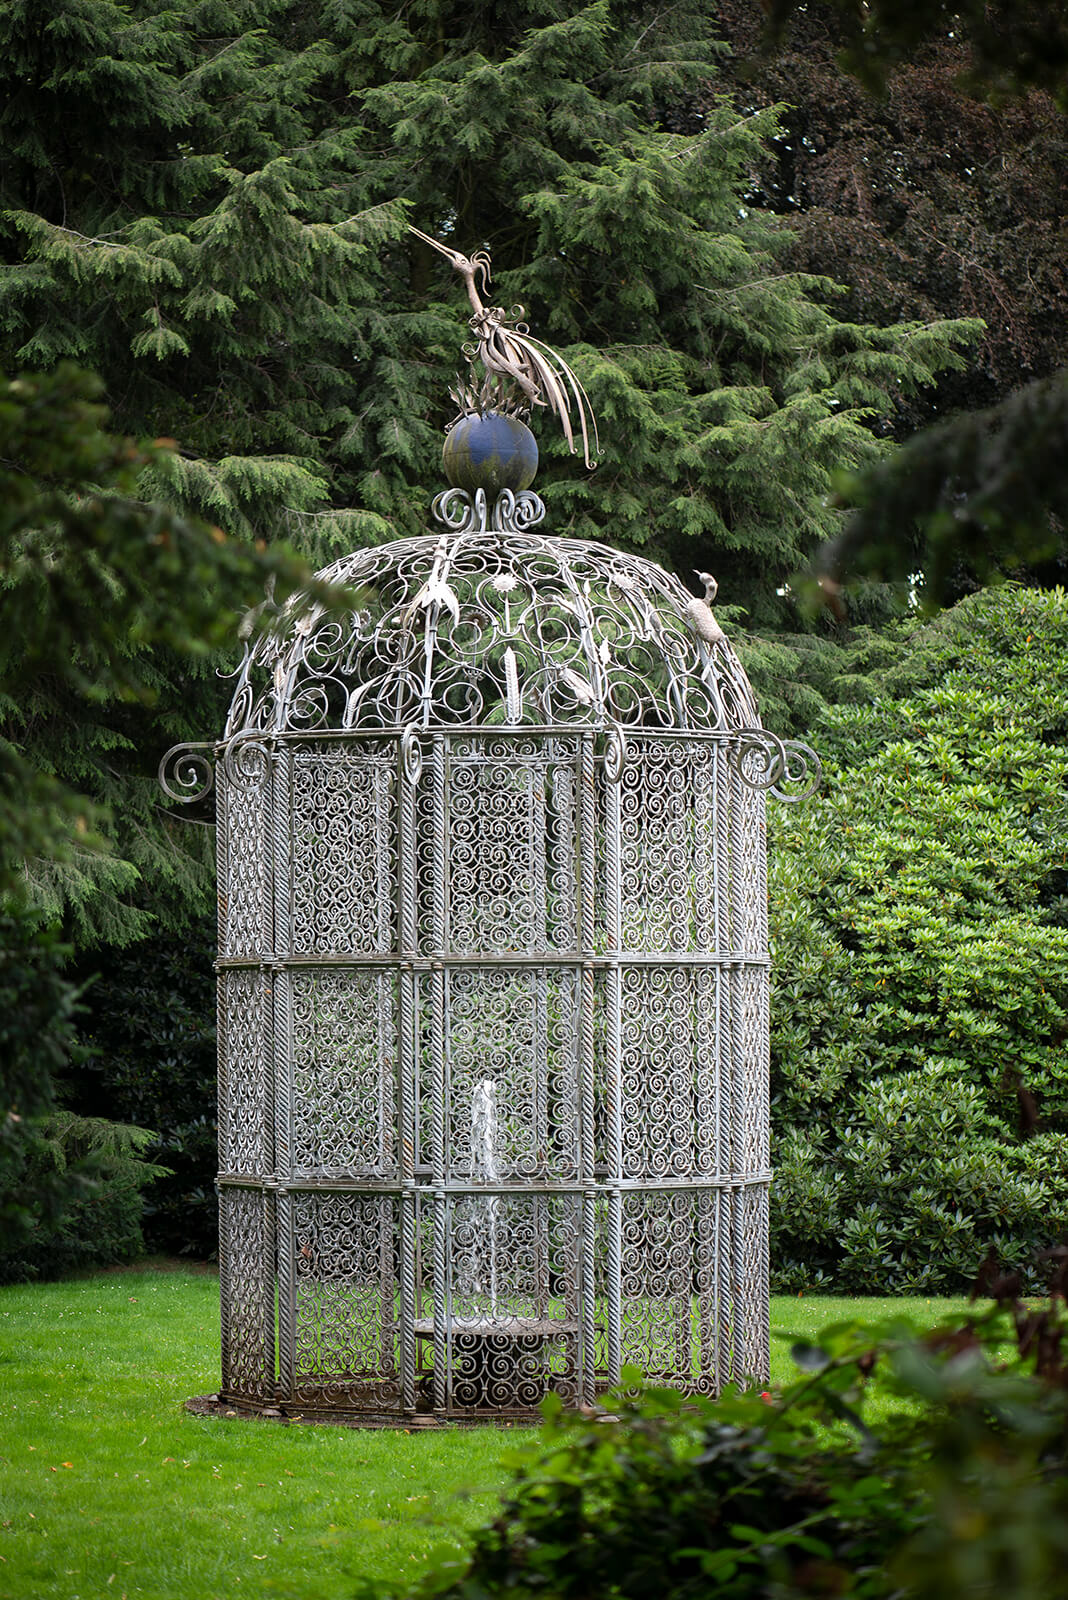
{"type": "Point", "coordinates": [216, 1405]}
{"type": "Point", "coordinates": [501, 1373]}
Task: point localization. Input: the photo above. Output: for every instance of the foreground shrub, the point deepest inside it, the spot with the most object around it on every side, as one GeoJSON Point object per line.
{"type": "Point", "coordinates": [962, 1492]}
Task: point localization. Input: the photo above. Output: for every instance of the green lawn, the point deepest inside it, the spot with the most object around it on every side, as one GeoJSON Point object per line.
{"type": "Point", "coordinates": [108, 1488]}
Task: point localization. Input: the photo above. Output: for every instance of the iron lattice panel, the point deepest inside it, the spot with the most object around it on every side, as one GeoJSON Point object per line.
{"type": "Point", "coordinates": [245, 1076]}
{"type": "Point", "coordinates": [343, 1053]}
{"type": "Point", "coordinates": [668, 1287]}
{"type": "Point", "coordinates": [517, 1030]}
{"type": "Point", "coordinates": [671, 859]}
{"type": "Point", "coordinates": [513, 1323]}
{"type": "Point", "coordinates": [511, 874]}
{"type": "Point", "coordinates": [244, 910]}
{"type": "Point", "coordinates": [671, 1121]}
{"type": "Point", "coordinates": [342, 832]}
{"type": "Point", "coordinates": [247, 1277]}
{"type": "Point", "coordinates": [346, 1310]}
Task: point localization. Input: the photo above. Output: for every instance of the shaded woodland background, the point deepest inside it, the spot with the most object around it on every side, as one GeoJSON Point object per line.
{"type": "Point", "coordinates": [785, 297]}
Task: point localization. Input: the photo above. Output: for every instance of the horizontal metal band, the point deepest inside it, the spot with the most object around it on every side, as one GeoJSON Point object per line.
{"type": "Point", "coordinates": [308, 1184]}
{"type": "Point", "coordinates": [454, 732]}
{"type": "Point", "coordinates": [537, 960]}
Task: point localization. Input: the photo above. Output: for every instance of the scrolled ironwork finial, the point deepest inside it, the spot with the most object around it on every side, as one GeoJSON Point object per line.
{"type": "Point", "coordinates": [784, 768]}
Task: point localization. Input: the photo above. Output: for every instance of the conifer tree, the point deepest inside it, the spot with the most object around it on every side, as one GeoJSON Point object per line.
{"type": "Point", "coordinates": [208, 204]}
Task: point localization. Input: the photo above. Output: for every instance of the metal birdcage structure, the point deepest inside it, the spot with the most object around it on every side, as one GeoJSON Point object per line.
{"type": "Point", "coordinates": [493, 960]}
{"type": "Point", "coordinates": [493, 984]}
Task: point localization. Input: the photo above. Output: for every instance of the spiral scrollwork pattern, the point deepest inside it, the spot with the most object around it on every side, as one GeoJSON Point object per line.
{"type": "Point", "coordinates": [343, 897]}
{"type": "Point", "coordinates": [346, 1327]}
{"type": "Point", "coordinates": [187, 772]}
{"type": "Point", "coordinates": [489, 623]}
{"type": "Point", "coordinates": [514, 1334]}
{"type": "Point", "coordinates": [787, 768]}
{"type": "Point", "coordinates": [246, 1238]}
{"type": "Point", "coordinates": [243, 1079]}
{"type": "Point", "coordinates": [802, 773]}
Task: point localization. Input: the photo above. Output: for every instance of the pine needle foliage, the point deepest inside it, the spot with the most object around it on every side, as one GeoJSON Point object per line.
{"type": "Point", "coordinates": [116, 608]}
{"type": "Point", "coordinates": [207, 205]}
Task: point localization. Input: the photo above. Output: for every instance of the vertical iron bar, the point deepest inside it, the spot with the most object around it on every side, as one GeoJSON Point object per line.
{"type": "Point", "coordinates": [269, 1246]}
{"type": "Point", "coordinates": [407, 1298]}
{"type": "Point", "coordinates": [404, 1087]}
{"type": "Point", "coordinates": [587, 925]}
{"type": "Point", "coordinates": [282, 1364]}
{"type": "Point", "coordinates": [725, 1302]}
{"type": "Point", "coordinates": [287, 1286]}
{"type": "Point", "coordinates": [439, 942]}
{"type": "Point", "coordinates": [763, 1288]}
{"type": "Point", "coordinates": [442, 1297]}
{"type": "Point", "coordinates": [615, 1284]}
{"type": "Point", "coordinates": [613, 981]}
{"type": "Point", "coordinates": [742, 1069]}
{"type": "Point", "coordinates": [225, 1232]}
{"type": "Point", "coordinates": [540, 1065]}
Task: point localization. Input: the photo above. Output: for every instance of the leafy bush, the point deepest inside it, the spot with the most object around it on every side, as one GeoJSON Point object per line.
{"type": "Point", "coordinates": [920, 1010]}
{"type": "Point", "coordinates": [962, 1492]}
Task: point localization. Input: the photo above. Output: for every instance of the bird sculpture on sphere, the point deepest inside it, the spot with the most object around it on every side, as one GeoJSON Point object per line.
{"type": "Point", "coordinates": [513, 359]}
{"type": "Point", "coordinates": [700, 611]}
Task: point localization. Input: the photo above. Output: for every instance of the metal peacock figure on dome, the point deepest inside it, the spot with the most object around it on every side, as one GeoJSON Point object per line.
{"type": "Point", "coordinates": [488, 445]}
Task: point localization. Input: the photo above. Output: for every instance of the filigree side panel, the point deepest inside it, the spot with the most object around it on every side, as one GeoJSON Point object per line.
{"type": "Point", "coordinates": [512, 1043]}
{"type": "Point", "coordinates": [246, 1278]}
{"type": "Point", "coordinates": [671, 1318]}
{"type": "Point", "coordinates": [245, 919]}
{"type": "Point", "coordinates": [513, 1279]}
{"type": "Point", "coordinates": [511, 845]}
{"type": "Point", "coordinates": [344, 1071]}
{"type": "Point", "coordinates": [244, 1072]}
{"type": "Point", "coordinates": [347, 1324]}
{"type": "Point", "coordinates": [668, 1071]}
{"type": "Point", "coordinates": [668, 876]}
{"type": "Point", "coordinates": [343, 844]}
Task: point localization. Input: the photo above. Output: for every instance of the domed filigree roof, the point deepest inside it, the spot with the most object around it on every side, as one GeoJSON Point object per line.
{"type": "Point", "coordinates": [480, 626]}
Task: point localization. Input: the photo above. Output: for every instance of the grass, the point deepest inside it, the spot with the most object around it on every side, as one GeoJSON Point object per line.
{"type": "Point", "coordinates": [108, 1488]}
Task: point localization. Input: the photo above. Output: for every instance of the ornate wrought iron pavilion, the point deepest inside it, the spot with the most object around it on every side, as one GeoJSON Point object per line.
{"type": "Point", "coordinates": [493, 984]}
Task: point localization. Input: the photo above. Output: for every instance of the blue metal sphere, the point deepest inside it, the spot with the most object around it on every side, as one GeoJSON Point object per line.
{"type": "Point", "coordinates": [491, 452]}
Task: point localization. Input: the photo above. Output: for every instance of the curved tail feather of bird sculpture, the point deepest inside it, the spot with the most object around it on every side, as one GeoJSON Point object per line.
{"type": "Point", "coordinates": [508, 350]}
